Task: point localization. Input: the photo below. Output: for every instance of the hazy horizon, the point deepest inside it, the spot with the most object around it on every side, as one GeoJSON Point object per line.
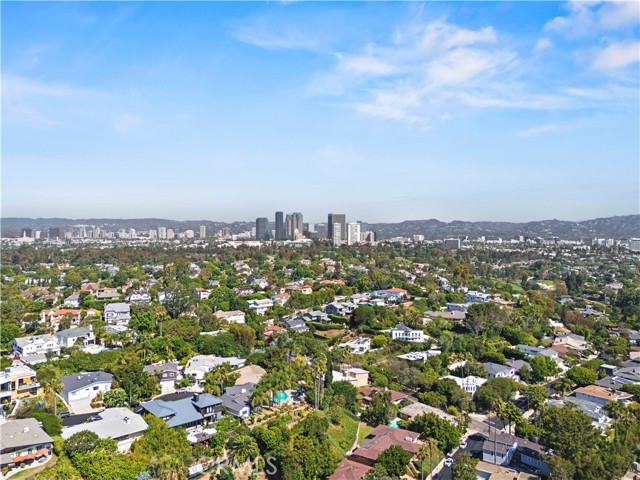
{"type": "Point", "coordinates": [383, 111]}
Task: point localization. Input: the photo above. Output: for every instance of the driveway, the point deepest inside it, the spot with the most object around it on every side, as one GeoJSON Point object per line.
{"type": "Point", "coordinates": [474, 447]}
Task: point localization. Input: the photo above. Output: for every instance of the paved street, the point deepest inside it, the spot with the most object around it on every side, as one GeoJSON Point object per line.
{"type": "Point", "coordinates": [474, 447]}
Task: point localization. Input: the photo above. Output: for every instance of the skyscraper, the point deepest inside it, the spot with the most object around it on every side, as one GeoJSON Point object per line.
{"type": "Point", "coordinates": [280, 226]}
{"type": "Point", "coordinates": [203, 231]}
{"type": "Point", "coordinates": [336, 230]}
{"type": "Point", "coordinates": [340, 218]}
{"type": "Point", "coordinates": [353, 233]}
{"type": "Point", "coordinates": [262, 224]}
{"type": "Point", "coordinates": [162, 233]}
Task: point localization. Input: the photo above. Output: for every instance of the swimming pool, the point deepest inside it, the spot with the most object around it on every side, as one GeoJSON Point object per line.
{"type": "Point", "coordinates": [394, 425]}
{"type": "Point", "coordinates": [280, 397]}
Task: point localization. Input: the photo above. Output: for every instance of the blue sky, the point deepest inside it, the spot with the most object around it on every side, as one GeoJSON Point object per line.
{"type": "Point", "coordinates": [384, 111]}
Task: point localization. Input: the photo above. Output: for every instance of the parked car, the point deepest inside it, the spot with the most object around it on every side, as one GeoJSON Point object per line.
{"type": "Point", "coordinates": [448, 462]}
{"type": "Point", "coordinates": [463, 445]}
{"type": "Point", "coordinates": [64, 414]}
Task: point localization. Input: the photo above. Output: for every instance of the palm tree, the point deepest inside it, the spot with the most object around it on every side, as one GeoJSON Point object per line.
{"type": "Point", "coordinates": [49, 379]}
{"type": "Point", "coordinates": [259, 397]}
{"type": "Point", "coordinates": [243, 447]}
{"type": "Point", "coordinates": [426, 451]}
{"type": "Point", "coordinates": [218, 377]}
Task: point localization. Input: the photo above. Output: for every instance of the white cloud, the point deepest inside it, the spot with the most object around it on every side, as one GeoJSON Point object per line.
{"type": "Point", "coordinates": [444, 36]}
{"type": "Point", "coordinates": [539, 130]}
{"type": "Point", "coordinates": [616, 55]}
{"type": "Point", "coordinates": [591, 18]}
{"type": "Point", "coordinates": [364, 65]}
{"type": "Point", "coordinates": [543, 43]}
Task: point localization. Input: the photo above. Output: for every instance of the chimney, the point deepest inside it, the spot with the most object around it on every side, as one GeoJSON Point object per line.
{"type": "Point", "coordinates": [196, 397]}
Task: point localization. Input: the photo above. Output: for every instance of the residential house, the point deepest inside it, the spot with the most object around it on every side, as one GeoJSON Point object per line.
{"type": "Point", "coordinates": [201, 293]}
{"type": "Point", "coordinates": [297, 325]}
{"type": "Point", "coordinates": [199, 365]}
{"type": "Point", "coordinates": [457, 307]}
{"type": "Point", "coordinates": [406, 334]}
{"type": "Point", "coordinates": [233, 316]}
{"type": "Point", "coordinates": [571, 340]}
{"type": "Point", "coordinates": [192, 411]}
{"type": "Point", "coordinates": [72, 301]}
{"type": "Point", "coordinates": [499, 448]}
{"type": "Point", "coordinates": [380, 439]}
{"type": "Point", "coordinates": [261, 283]}
{"type": "Point", "coordinates": [392, 294]}
{"type": "Point", "coordinates": [118, 423]}
{"type": "Point", "coordinates": [243, 291]}
{"type": "Point", "coordinates": [414, 409]}
{"type": "Point", "coordinates": [358, 377]}
{"type": "Point", "coordinates": [260, 306]}
{"type": "Point", "coordinates": [360, 298]}
{"type": "Point", "coordinates": [596, 412]}
{"type": "Point", "coordinates": [237, 399]}
{"type": "Point", "coordinates": [280, 298]}
{"type": "Point", "coordinates": [420, 356]}
{"type": "Point", "coordinates": [117, 313]}
{"type": "Point", "coordinates": [476, 297]}
{"type": "Point", "coordinates": [304, 289]}
{"type": "Point", "coordinates": [19, 382]}
{"type": "Point", "coordinates": [367, 394]}
{"type": "Point", "coordinates": [350, 470]}
{"type": "Point", "coordinates": [106, 293]}
{"type": "Point", "coordinates": [54, 317]}
{"type": "Point", "coordinates": [619, 377]}
{"type": "Point", "coordinates": [455, 315]}
{"type": "Point", "coordinates": [469, 384]}
{"type": "Point", "coordinates": [85, 386]}
{"type": "Point", "coordinates": [316, 316]}
{"type": "Point", "coordinates": [138, 297]}
{"type": "Point", "coordinates": [271, 330]}
{"type": "Point", "coordinates": [37, 344]}
{"type": "Point", "coordinates": [168, 373]}
{"type": "Point", "coordinates": [23, 441]}
{"type": "Point", "coordinates": [359, 346]}
{"type": "Point", "coordinates": [601, 395]}
{"type": "Point", "coordinates": [77, 335]}
{"type": "Point", "coordinates": [341, 309]}
{"type": "Point", "coordinates": [495, 370]}
{"type": "Point", "coordinates": [533, 455]}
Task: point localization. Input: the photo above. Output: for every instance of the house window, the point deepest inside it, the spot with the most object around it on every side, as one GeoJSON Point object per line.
{"type": "Point", "coordinates": [95, 388]}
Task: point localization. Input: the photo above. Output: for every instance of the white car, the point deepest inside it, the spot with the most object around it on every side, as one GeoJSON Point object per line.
{"type": "Point", "coordinates": [448, 462]}
{"type": "Point", "coordinates": [463, 445]}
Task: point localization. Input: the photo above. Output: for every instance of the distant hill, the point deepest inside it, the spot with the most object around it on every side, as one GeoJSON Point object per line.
{"type": "Point", "coordinates": [627, 226]}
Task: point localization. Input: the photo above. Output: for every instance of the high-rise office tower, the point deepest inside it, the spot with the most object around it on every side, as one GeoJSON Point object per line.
{"type": "Point", "coordinates": [296, 218]}
{"type": "Point", "coordinates": [27, 232]}
{"type": "Point", "coordinates": [54, 233]}
{"type": "Point", "coordinates": [203, 231]}
{"type": "Point", "coordinates": [353, 233]}
{"type": "Point", "coordinates": [337, 234]}
{"type": "Point", "coordinates": [288, 227]}
{"type": "Point", "coordinates": [262, 224]}
{"type": "Point", "coordinates": [337, 218]}
{"type": "Point", "coordinates": [162, 233]}
{"type": "Point", "coordinates": [280, 235]}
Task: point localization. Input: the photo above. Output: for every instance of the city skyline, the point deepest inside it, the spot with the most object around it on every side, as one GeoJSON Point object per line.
{"type": "Point", "coordinates": [386, 111]}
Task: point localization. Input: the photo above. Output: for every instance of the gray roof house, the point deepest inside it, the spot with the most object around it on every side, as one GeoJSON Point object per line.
{"type": "Point", "coordinates": [316, 316]}
{"type": "Point", "coordinates": [297, 325]}
{"type": "Point", "coordinates": [495, 370]}
{"type": "Point", "coordinates": [188, 412]}
{"type": "Point", "coordinates": [117, 313]}
{"type": "Point", "coordinates": [68, 338]}
{"type": "Point", "coordinates": [119, 423]}
{"type": "Point", "coordinates": [85, 385]}
{"type": "Point", "coordinates": [23, 441]}
{"type": "Point", "coordinates": [237, 399]}
{"type": "Point", "coordinates": [166, 372]}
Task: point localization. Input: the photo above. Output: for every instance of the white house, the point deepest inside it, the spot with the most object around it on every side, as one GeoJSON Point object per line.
{"type": "Point", "coordinates": [37, 344]}
{"type": "Point", "coordinates": [72, 301]}
{"type": "Point", "coordinates": [495, 370]}
{"type": "Point", "coordinates": [68, 338]}
{"type": "Point", "coordinates": [469, 384]}
{"type": "Point", "coordinates": [476, 297]}
{"type": "Point", "coordinates": [261, 306]}
{"type": "Point", "coordinates": [199, 365]}
{"type": "Point", "coordinates": [202, 293]}
{"type": "Point", "coordinates": [406, 334]}
{"type": "Point", "coordinates": [358, 346]}
{"type": "Point", "coordinates": [138, 297]}
{"type": "Point", "coordinates": [233, 316]}
{"type": "Point", "coordinates": [117, 313]}
{"type": "Point", "coordinates": [119, 424]}
{"type": "Point", "coordinates": [260, 282]}
{"type": "Point", "coordinates": [85, 386]}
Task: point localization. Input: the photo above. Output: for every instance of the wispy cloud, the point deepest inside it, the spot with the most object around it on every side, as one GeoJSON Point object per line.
{"type": "Point", "coordinates": [542, 44]}
{"type": "Point", "coordinates": [540, 130]}
{"type": "Point", "coordinates": [585, 19]}
{"type": "Point", "coordinates": [616, 55]}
